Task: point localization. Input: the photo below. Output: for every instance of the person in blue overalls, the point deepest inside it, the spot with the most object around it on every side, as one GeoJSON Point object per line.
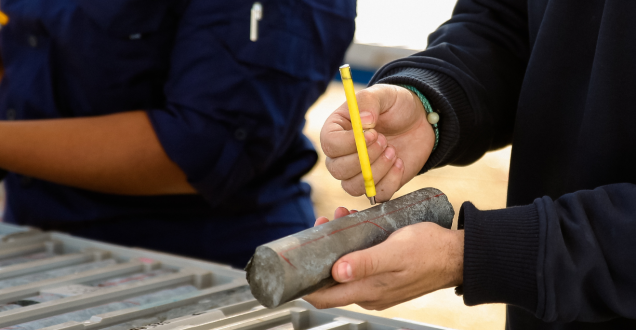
{"type": "Point", "coordinates": [172, 125]}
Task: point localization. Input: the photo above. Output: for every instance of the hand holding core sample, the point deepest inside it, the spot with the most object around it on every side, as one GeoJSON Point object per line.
{"type": "Point", "coordinates": [296, 265]}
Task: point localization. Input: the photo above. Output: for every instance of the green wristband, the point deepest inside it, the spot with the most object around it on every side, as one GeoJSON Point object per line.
{"type": "Point", "coordinates": [432, 117]}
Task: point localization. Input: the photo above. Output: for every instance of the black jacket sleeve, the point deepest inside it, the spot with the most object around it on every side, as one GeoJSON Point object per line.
{"type": "Point", "coordinates": [471, 73]}
{"type": "Point", "coordinates": [563, 260]}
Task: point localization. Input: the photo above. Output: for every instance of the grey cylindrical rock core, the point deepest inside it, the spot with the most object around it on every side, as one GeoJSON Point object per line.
{"type": "Point", "coordinates": [299, 264]}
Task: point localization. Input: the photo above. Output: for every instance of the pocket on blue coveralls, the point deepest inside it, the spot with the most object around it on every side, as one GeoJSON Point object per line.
{"type": "Point", "coordinates": [296, 37]}
{"type": "Point", "coordinates": [128, 42]}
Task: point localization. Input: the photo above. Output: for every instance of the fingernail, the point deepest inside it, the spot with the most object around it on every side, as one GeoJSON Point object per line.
{"type": "Point", "coordinates": [318, 219]}
{"type": "Point", "coordinates": [344, 272]}
{"type": "Point", "coordinates": [382, 141]}
{"type": "Point", "coordinates": [399, 163]}
{"type": "Point", "coordinates": [366, 118]}
{"type": "Point", "coordinates": [389, 153]}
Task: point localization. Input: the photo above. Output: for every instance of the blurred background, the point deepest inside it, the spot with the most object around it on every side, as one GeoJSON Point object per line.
{"type": "Point", "coordinates": [385, 31]}
{"type": "Point", "coordinates": [388, 30]}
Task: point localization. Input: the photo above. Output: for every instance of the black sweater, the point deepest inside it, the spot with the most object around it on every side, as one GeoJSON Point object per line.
{"type": "Point", "coordinates": [557, 79]}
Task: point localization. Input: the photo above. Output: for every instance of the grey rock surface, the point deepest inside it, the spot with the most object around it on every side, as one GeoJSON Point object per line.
{"type": "Point", "coordinates": [299, 264]}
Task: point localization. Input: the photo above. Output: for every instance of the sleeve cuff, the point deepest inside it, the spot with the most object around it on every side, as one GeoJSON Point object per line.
{"type": "Point", "coordinates": [215, 170]}
{"type": "Point", "coordinates": [448, 99]}
{"type": "Point", "coordinates": [500, 255]}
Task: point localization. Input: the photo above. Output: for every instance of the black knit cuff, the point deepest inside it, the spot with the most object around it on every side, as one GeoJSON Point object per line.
{"type": "Point", "coordinates": [448, 99]}
{"type": "Point", "coordinates": [500, 255]}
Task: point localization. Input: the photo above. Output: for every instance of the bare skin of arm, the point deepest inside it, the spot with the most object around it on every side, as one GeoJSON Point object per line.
{"type": "Point", "coordinates": [117, 154]}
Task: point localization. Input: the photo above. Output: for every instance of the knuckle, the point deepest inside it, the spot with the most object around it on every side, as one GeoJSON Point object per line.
{"type": "Point", "coordinates": [316, 301]}
{"type": "Point", "coordinates": [406, 233]}
{"type": "Point", "coordinates": [373, 149]}
{"type": "Point", "coordinates": [366, 306]}
{"type": "Point", "coordinates": [363, 94]}
{"type": "Point", "coordinates": [369, 265]}
{"type": "Point", "coordinates": [375, 265]}
{"type": "Point", "coordinates": [336, 171]}
{"type": "Point", "coordinates": [386, 162]}
{"type": "Point", "coordinates": [324, 133]}
{"type": "Point", "coordinates": [327, 148]}
{"type": "Point", "coordinates": [350, 187]}
{"type": "Point", "coordinates": [370, 94]}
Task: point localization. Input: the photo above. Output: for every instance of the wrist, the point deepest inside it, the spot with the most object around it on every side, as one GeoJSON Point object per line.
{"type": "Point", "coordinates": [431, 118]}
{"type": "Point", "coordinates": [455, 258]}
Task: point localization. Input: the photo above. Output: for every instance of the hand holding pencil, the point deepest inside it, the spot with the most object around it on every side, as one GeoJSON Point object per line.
{"type": "Point", "coordinates": [398, 139]}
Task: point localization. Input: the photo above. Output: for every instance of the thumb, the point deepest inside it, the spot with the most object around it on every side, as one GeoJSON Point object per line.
{"type": "Point", "coordinates": [374, 101]}
{"type": "Point", "coordinates": [361, 264]}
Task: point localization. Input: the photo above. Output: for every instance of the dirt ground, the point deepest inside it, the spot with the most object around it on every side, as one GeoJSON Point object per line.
{"type": "Point", "coordinates": [484, 183]}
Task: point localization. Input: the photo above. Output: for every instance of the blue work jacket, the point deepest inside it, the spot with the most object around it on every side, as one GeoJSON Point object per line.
{"type": "Point", "coordinates": [228, 110]}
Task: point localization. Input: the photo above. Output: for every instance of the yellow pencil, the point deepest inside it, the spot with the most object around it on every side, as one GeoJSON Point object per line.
{"type": "Point", "coordinates": [361, 144]}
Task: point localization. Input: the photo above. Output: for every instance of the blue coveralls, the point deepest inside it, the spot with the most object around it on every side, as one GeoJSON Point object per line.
{"type": "Point", "coordinates": [227, 110]}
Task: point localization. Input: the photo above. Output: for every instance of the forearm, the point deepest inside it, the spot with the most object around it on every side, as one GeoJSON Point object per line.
{"type": "Point", "coordinates": [117, 154]}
